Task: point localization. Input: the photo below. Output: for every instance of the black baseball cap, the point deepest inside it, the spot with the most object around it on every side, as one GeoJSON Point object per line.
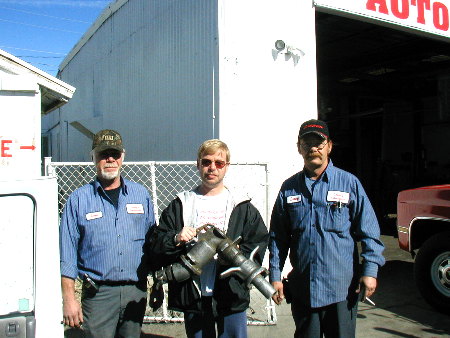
{"type": "Point", "coordinates": [314, 126]}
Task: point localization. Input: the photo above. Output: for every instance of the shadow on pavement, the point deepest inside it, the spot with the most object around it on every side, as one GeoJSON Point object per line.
{"type": "Point", "coordinates": [77, 333]}
{"type": "Point", "coordinates": [398, 294]}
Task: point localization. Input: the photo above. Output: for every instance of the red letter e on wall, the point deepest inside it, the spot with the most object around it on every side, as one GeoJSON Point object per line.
{"type": "Point", "coordinates": [4, 148]}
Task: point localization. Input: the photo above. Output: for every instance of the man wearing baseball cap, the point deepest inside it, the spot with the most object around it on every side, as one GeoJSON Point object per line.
{"type": "Point", "coordinates": [320, 214]}
{"type": "Point", "coordinates": [104, 227]}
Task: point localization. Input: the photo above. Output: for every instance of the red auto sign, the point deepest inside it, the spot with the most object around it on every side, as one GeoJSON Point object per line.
{"type": "Point", "coordinates": [424, 15]}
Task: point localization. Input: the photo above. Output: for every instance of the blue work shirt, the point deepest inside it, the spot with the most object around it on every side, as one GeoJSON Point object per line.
{"type": "Point", "coordinates": [102, 241]}
{"type": "Point", "coordinates": [320, 225]}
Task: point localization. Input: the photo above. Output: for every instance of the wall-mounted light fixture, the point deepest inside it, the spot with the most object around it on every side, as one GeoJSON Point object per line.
{"type": "Point", "coordinates": [290, 51]}
{"type": "Point", "coordinates": [280, 45]}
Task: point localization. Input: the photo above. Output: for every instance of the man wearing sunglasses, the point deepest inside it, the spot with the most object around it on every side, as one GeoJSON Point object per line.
{"type": "Point", "coordinates": [207, 300]}
{"type": "Point", "coordinates": [104, 227]}
{"type": "Point", "coordinates": [319, 215]}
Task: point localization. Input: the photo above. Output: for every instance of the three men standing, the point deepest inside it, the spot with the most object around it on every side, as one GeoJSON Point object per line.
{"type": "Point", "coordinates": [319, 215]}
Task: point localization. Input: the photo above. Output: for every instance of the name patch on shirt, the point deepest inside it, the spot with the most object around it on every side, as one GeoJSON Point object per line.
{"type": "Point", "coordinates": [135, 208]}
{"type": "Point", "coordinates": [94, 215]}
{"type": "Point", "coordinates": [338, 196]}
{"type": "Point", "coordinates": [294, 199]}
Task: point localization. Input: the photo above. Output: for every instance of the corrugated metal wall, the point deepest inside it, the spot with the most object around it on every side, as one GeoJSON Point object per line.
{"type": "Point", "coordinates": [148, 72]}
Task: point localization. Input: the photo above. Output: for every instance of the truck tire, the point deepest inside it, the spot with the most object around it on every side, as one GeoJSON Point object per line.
{"type": "Point", "coordinates": [432, 271]}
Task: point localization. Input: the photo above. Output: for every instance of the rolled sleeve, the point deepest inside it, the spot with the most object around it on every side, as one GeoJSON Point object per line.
{"type": "Point", "coordinates": [370, 269]}
{"type": "Point", "coordinates": [68, 241]}
{"type": "Point", "coordinates": [278, 240]}
{"type": "Point", "coordinates": [368, 232]}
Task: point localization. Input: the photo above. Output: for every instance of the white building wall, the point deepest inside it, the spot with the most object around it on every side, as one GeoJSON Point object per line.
{"type": "Point", "coordinates": [265, 95]}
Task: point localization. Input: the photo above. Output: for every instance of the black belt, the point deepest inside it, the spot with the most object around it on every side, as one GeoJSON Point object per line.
{"type": "Point", "coordinates": [115, 283]}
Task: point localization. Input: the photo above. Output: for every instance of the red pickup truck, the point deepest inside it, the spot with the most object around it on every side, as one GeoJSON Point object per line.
{"type": "Point", "coordinates": [423, 226]}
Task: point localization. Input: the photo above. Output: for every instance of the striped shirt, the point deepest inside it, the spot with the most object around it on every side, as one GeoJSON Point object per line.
{"type": "Point", "coordinates": [104, 241]}
{"type": "Point", "coordinates": [320, 223]}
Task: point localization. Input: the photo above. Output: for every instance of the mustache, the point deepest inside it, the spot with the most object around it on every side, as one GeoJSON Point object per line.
{"type": "Point", "coordinates": [110, 165]}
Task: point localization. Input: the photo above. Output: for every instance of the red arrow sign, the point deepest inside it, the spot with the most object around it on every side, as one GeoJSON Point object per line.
{"type": "Point", "coordinates": [28, 147]}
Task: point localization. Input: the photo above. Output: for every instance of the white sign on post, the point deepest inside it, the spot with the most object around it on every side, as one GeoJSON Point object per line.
{"type": "Point", "coordinates": [20, 151]}
{"type": "Point", "coordinates": [424, 15]}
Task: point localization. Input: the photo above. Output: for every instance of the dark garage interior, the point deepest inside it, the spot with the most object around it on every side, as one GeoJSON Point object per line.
{"type": "Point", "coordinates": [385, 94]}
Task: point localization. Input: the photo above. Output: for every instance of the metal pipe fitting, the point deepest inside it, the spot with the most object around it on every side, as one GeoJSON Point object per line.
{"type": "Point", "coordinates": [212, 240]}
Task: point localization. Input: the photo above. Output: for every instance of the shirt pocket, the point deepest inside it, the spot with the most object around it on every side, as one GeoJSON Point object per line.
{"type": "Point", "coordinates": [138, 227]}
{"type": "Point", "coordinates": [297, 213]}
{"type": "Point", "coordinates": [95, 233]}
{"type": "Point", "coordinates": [337, 220]}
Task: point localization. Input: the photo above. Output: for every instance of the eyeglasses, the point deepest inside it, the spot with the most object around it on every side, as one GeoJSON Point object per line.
{"type": "Point", "coordinates": [116, 154]}
{"type": "Point", "coordinates": [319, 144]}
{"type": "Point", "coordinates": [219, 164]}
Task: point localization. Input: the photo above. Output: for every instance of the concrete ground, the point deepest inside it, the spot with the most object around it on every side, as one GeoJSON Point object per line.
{"type": "Point", "coordinates": [399, 312]}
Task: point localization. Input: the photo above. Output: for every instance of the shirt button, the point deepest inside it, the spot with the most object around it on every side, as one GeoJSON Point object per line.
{"type": "Point", "coordinates": [313, 225]}
{"type": "Point", "coordinates": [120, 253]}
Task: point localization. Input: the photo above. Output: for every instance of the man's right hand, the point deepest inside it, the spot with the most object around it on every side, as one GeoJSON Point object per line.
{"type": "Point", "coordinates": [186, 235]}
{"type": "Point", "coordinates": [279, 295]}
{"type": "Point", "coordinates": [72, 314]}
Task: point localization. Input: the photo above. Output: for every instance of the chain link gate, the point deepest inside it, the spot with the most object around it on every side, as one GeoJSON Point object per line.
{"type": "Point", "coordinates": [163, 181]}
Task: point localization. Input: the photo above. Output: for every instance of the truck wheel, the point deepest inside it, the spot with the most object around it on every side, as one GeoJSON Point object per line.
{"type": "Point", "coordinates": [432, 271]}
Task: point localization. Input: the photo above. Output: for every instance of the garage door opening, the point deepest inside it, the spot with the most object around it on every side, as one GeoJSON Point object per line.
{"type": "Point", "coordinates": [386, 96]}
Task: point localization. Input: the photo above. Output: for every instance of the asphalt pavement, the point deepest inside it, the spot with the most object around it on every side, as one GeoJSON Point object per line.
{"type": "Point", "coordinates": [400, 311]}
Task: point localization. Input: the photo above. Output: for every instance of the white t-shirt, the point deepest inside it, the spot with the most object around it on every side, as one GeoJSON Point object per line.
{"type": "Point", "coordinates": [211, 210]}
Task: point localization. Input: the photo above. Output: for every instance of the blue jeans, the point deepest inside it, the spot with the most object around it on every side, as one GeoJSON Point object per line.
{"type": "Point", "coordinates": [203, 325]}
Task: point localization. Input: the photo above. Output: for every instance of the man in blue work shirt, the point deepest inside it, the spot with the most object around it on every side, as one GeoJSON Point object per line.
{"type": "Point", "coordinates": [104, 228]}
{"type": "Point", "coordinates": [320, 214]}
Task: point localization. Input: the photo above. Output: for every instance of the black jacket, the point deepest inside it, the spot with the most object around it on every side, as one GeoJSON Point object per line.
{"type": "Point", "coordinates": [231, 294]}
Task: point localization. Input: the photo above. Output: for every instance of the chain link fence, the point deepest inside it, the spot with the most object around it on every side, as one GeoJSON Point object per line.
{"type": "Point", "coordinates": [163, 181]}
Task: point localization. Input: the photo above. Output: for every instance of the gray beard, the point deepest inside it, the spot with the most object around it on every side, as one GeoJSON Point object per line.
{"type": "Point", "coordinates": [109, 175]}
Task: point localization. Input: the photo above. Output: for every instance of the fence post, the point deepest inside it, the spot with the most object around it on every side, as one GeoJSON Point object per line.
{"type": "Point", "coordinates": [48, 169]}
{"type": "Point", "coordinates": [154, 193]}
{"type": "Point", "coordinates": [268, 207]}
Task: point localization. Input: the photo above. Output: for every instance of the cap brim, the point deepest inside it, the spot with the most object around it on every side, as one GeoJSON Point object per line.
{"type": "Point", "coordinates": [315, 132]}
{"type": "Point", "coordinates": [105, 147]}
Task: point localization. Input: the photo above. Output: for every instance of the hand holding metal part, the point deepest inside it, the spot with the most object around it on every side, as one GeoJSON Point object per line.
{"type": "Point", "coordinates": [212, 241]}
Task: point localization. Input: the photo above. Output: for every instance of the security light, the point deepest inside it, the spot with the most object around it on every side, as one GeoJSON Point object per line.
{"type": "Point", "coordinates": [280, 45]}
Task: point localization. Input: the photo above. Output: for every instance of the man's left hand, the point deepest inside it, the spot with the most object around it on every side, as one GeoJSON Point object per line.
{"type": "Point", "coordinates": [368, 285]}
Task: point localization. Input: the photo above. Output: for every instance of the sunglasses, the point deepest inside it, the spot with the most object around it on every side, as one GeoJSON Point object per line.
{"type": "Point", "coordinates": [318, 144]}
{"type": "Point", "coordinates": [115, 154]}
{"type": "Point", "coordinates": [206, 163]}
